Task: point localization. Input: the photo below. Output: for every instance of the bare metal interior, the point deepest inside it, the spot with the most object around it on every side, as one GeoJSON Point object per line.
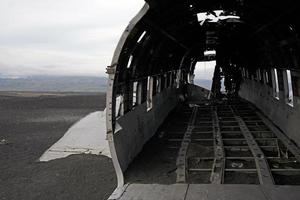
{"type": "Point", "coordinates": [186, 134]}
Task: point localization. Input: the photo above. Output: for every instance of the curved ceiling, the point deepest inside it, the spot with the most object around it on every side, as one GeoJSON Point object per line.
{"type": "Point", "coordinates": [172, 37]}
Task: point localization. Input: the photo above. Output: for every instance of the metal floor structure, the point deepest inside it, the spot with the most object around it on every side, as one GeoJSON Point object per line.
{"type": "Point", "coordinates": [216, 150]}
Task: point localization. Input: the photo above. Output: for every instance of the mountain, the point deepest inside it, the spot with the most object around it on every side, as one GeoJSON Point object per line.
{"type": "Point", "coordinates": [64, 83]}
{"type": "Point", "coordinates": [54, 84]}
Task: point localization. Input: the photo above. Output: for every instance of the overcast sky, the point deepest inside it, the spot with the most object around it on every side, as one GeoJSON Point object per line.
{"type": "Point", "coordinates": [205, 70]}
{"type": "Point", "coordinates": [61, 37]}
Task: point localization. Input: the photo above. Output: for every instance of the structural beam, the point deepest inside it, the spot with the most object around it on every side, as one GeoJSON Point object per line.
{"type": "Point", "coordinates": [217, 175]}
{"type": "Point", "coordinates": [165, 33]}
{"type": "Point", "coordinates": [181, 158]}
{"type": "Point", "coordinates": [264, 173]}
{"type": "Point", "coordinates": [284, 139]}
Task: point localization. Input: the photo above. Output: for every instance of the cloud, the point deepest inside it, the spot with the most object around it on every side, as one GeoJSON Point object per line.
{"type": "Point", "coordinates": [61, 36]}
{"type": "Point", "coordinates": [49, 62]}
{"type": "Point", "coordinates": [205, 70]}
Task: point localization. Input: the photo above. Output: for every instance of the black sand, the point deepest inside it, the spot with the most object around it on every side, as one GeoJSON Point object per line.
{"type": "Point", "coordinates": [30, 123]}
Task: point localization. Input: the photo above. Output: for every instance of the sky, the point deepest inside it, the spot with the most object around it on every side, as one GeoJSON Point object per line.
{"type": "Point", "coordinates": [61, 37]}
{"type": "Point", "coordinates": [205, 70]}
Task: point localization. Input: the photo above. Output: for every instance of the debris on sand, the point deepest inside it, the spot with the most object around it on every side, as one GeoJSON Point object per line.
{"type": "Point", "coordinates": [237, 165]}
{"type": "Point", "coordinates": [4, 142]}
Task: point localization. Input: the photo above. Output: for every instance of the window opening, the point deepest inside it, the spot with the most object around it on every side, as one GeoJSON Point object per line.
{"type": "Point", "coordinates": [290, 96]}
{"type": "Point", "coordinates": [119, 106]}
{"type": "Point", "coordinates": [134, 95]}
{"type": "Point", "coordinates": [141, 37]}
{"type": "Point", "coordinates": [129, 61]}
{"type": "Point", "coordinates": [149, 93]}
{"type": "Point", "coordinates": [275, 84]}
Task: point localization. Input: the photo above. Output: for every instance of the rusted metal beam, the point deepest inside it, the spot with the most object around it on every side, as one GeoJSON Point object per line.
{"type": "Point", "coordinates": [264, 173]}
{"type": "Point", "coordinates": [181, 158]}
{"type": "Point", "coordinates": [284, 139]}
{"type": "Point", "coordinates": [217, 175]}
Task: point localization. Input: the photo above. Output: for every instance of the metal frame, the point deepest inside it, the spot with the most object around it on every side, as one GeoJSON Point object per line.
{"type": "Point", "coordinates": [264, 173]}
{"type": "Point", "coordinates": [110, 103]}
{"type": "Point", "coordinates": [217, 175]}
{"type": "Point", "coordinates": [181, 159]}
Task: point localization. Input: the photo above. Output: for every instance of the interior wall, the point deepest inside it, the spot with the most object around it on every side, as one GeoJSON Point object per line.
{"type": "Point", "coordinates": [139, 125]}
{"type": "Point", "coordinates": [286, 117]}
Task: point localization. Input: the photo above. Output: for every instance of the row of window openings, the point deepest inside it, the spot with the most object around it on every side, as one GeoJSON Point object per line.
{"type": "Point", "coordinates": [154, 85]}
{"type": "Point", "coordinates": [259, 76]}
{"type": "Point", "coordinates": [287, 78]}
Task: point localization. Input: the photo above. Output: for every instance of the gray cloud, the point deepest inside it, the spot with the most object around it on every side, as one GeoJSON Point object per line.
{"type": "Point", "coordinates": [61, 36]}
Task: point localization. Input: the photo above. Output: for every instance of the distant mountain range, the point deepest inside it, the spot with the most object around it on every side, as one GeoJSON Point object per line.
{"type": "Point", "coordinates": [65, 84]}
{"type": "Point", "coordinates": [54, 84]}
{"type": "Point", "coordinates": [203, 83]}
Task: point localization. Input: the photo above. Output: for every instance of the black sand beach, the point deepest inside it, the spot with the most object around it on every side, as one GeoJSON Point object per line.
{"type": "Point", "coordinates": [30, 123]}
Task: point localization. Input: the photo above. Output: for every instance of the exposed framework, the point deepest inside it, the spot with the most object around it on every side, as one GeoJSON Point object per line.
{"type": "Point", "coordinates": [264, 173]}
{"type": "Point", "coordinates": [165, 40]}
{"type": "Point", "coordinates": [219, 161]}
{"type": "Point", "coordinates": [182, 153]}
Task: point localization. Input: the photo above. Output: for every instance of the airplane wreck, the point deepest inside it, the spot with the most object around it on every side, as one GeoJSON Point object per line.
{"type": "Point", "coordinates": [171, 139]}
